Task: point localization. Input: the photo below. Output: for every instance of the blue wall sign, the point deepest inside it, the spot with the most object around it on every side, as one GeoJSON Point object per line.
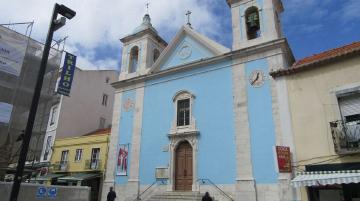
{"type": "Point", "coordinates": [52, 192]}
{"type": "Point", "coordinates": [41, 192]}
{"type": "Point", "coordinates": [67, 75]}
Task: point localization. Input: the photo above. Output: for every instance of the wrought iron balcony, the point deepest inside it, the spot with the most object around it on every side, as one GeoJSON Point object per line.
{"type": "Point", "coordinates": [346, 136]}
{"type": "Point", "coordinates": [62, 166]}
{"type": "Point", "coordinates": [93, 164]}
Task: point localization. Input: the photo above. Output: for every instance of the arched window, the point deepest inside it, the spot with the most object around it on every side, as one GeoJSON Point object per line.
{"type": "Point", "coordinates": [156, 54]}
{"type": "Point", "coordinates": [252, 23]}
{"type": "Point", "coordinates": [134, 59]}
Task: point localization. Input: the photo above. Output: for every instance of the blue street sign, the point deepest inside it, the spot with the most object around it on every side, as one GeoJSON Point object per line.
{"type": "Point", "coordinates": [67, 75]}
{"type": "Point", "coordinates": [41, 192]}
{"type": "Point", "coordinates": [52, 192]}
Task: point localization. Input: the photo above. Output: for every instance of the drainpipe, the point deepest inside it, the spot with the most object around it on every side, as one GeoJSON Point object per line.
{"type": "Point", "coordinates": [256, 193]}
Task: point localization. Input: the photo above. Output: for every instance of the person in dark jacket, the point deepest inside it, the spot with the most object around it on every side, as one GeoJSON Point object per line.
{"type": "Point", "coordinates": [111, 195]}
{"type": "Point", "coordinates": [206, 197]}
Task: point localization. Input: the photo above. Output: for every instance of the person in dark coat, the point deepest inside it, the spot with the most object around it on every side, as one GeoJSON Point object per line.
{"type": "Point", "coordinates": [111, 195]}
{"type": "Point", "coordinates": [206, 197]}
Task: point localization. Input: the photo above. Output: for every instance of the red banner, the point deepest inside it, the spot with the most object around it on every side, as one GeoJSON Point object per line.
{"type": "Point", "coordinates": [283, 158]}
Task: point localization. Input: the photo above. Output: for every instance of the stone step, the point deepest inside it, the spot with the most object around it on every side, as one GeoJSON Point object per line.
{"type": "Point", "coordinates": [176, 196]}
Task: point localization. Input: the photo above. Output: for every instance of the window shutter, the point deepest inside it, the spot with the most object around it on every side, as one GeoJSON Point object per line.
{"type": "Point", "coordinates": [350, 105]}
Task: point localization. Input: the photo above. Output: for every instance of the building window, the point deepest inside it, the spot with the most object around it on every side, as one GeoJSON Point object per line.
{"type": "Point", "coordinates": [64, 160]}
{"type": "Point", "coordinates": [102, 122]}
{"type": "Point", "coordinates": [53, 115]}
{"type": "Point", "coordinates": [47, 147]}
{"type": "Point", "coordinates": [78, 154]}
{"type": "Point", "coordinates": [134, 59]}
{"type": "Point", "coordinates": [64, 156]}
{"type": "Point", "coordinates": [156, 55]}
{"type": "Point", "coordinates": [95, 158]}
{"type": "Point", "coordinates": [252, 18]}
{"type": "Point", "coordinates": [183, 112]}
{"type": "Point", "coordinates": [350, 108]}
{"type": "Point", "coordinates": [104, 100]}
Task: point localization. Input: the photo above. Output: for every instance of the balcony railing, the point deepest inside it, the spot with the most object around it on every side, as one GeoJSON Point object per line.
{"type": "Point", "coordinates": [62, 166]}
{"type": "Point", "coordinates": [93, 164]}
{"type": "Point", "coordinates": [346, 136]}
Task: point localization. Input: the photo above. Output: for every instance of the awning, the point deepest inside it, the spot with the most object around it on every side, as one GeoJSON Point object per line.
{"type": "Point", "coordinates": [79, 177]}
{"type": "Point", "coordinates": [319, 178]}
{"type": "Point", "coordinates": [47, 177]}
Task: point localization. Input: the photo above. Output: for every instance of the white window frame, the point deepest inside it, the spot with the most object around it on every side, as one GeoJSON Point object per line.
{"type": "Point", "coordinates": [78, 155]}
{"type": "Point", "coordinates": [96, 163]}
{"type": "Point", "coordinates": [53, 115]}
{"type": "Point", "coordinates": [66, 156]}
{"type": "Point", "coordinates": [181, 95]}
{"type": "Point", "coordinates": [47, 151]}
{"type": "Point", "coordinates": [344, 91]}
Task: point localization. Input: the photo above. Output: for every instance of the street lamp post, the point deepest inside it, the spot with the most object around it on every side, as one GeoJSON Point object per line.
{"type": "Point", "coordinates": [55, 24]}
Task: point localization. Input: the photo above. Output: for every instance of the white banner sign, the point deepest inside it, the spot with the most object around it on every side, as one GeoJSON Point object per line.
{"type": "Point", "coordinates": [12, 51]}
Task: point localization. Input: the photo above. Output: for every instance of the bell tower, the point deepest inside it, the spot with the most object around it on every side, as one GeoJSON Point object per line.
{"type": "Point", "coordinates": [255, 22]}
{"type": "Point", "coordinates": [140, 49]}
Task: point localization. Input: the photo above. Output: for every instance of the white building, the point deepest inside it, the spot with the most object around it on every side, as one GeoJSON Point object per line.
{"type": "Point", "coordinates": [88, 108]}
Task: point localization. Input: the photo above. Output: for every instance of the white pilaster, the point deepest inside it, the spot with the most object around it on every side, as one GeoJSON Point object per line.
{"type": "Point", "coordinates": [245, 183]}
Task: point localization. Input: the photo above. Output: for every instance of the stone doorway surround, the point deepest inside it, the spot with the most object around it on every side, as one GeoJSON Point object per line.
{"type": "Point", "coordinates": [175, 141]}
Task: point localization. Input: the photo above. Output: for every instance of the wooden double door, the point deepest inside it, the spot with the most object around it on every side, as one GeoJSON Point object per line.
{"type": "Point", "coordinates": [183, 167]}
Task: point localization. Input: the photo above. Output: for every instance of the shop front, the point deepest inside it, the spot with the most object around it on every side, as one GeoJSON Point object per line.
{"type": "Point", "coordinates": [329, 185]}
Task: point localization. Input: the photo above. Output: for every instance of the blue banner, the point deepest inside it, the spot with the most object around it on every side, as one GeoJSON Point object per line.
{"type": "Point", "coordinates": [67, 75]}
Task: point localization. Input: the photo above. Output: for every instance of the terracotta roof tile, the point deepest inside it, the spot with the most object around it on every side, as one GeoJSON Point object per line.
{"type": "Point", "coordinates": [317, 58]}
{"type": "Point", "coordinates": [99, 132]}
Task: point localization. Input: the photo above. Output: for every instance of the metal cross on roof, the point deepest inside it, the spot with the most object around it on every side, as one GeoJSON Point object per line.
{"type": "Point", "coordinates": [188, 13]}
{"type": "Point", "coordinates": [147, 8]}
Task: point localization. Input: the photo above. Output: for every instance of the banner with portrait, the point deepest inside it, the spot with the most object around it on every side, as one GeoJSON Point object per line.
{"type": "Point", "coordinates": [122, 160]}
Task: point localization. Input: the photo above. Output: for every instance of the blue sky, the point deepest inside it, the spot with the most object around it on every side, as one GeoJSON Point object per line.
{"type": "Point", "coordinates": [311, 26]}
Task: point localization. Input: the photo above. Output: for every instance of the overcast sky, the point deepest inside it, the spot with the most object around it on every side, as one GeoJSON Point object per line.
{"type": "Point", "coordinates": [311, 26]}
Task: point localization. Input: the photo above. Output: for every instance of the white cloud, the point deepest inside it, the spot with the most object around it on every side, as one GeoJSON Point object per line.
{"type": "Point", "coordinates": [350, 11]}
{"type": "Point", "coordinates": [99, 23]}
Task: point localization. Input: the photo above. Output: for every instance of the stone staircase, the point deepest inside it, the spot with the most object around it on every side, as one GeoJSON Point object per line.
{"type": "Point", "coordinates": [176, 196]}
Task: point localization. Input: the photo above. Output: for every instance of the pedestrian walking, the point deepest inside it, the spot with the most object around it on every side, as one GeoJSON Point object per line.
{"type": "Point", "coordinates": [206, 197]}
{"type": "Point", "coordinates": [111, 195]}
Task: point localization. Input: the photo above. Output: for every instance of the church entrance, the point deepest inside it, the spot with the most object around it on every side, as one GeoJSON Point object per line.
{"type": "Point", "coordinates": [183, 167]}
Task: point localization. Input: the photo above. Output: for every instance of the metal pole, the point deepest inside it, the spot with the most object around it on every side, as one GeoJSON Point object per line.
{"type": "Point", "coordinates": [32, 114]}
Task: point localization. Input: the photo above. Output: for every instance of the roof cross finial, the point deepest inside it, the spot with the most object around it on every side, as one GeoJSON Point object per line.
{"type": "Point", "coordinates": [188, 13]}
{"type": "Point", "coordinates": [147, 8]}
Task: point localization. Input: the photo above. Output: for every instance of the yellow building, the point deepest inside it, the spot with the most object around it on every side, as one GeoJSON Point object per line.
{"type": "Point", "coordinates": [324, 102]}
{"type": "Point", "coordinates": [81, 160]}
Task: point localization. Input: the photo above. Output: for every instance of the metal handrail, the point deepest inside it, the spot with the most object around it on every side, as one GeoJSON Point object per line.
{"type": "Point", "coordinates": [138, 197]}
{"type": "Point", "coordinates": [214, 185]}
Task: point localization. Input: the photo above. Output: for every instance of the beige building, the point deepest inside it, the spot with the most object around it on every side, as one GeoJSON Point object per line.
{"type": "Point", "coordinates": [88, 108]}
{"type": "Point", "coordinates": [324, 100]}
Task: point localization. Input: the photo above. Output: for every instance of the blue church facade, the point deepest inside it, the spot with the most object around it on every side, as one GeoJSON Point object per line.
{"type": "Point", "coordinates": [194, 115]}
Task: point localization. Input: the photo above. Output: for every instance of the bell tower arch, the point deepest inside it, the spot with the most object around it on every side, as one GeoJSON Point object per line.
{"type": "Point", "coordinates": [255, 22]}
{"type": "Point", "coordinates": [140, 49]}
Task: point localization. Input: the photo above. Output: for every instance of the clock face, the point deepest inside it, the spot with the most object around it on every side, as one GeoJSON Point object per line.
{"type": "Point", "coordinates": [184, 52]}
{"type": "Point", "coordinates": [256, 78]}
